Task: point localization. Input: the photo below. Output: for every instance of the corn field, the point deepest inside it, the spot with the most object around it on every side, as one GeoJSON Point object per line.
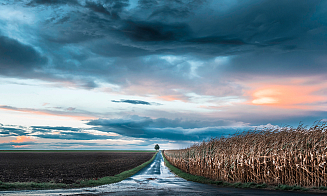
{"type": "Point", "coordinates": [291, 156]}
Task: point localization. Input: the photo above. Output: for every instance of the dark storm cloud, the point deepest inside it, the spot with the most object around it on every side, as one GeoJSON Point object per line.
{"type": "Point", "coordinates": [111, 8]}
{"type": "Point", "coordinates": [136, 69]}
{"type": "Point", "coordinates": [172, 12]}
{"type": "Point", "coordinates": [143, 31]}
{"type": "Point", "coordinates": [136, 102]}
{"type": "Point", "coordinates": [137, 121]}
{"type": "Point", "coordinates": [71, 37]}
{"type": "Point", "coordinates": [164, 9]}
{"type": "Point", "coordinates": [97, 7]}
{"type": "Point", "coordinates": [17, 58]}
{"type": "Point", "coordinates": [66, 133]}
{"type": "Point", "coordinates": [108, 49]}
{"type": "Point", "coordinates": [112, 42]}
{"type": "Point", "coordinates": [292, 63]}
{"type": "Point", "coordinates": [63, 20]}
{"type": "Point", "coordinates": [263, 21]}
{"type": "Point", "coordinates": [223, 40]}
{"type": "Point", "coordinates": [49, 129]}
{"type": "Point", "coordinates": [11, 131]}
{"type": "Point", "coordinates": [162, 128]}
{"type": "Point", "coordinates": [52, 2]}
{"type": "Point", "coordinates": [260, 23]}
{"type": "Point", "coordinates": [250, 24]}
{"type": "Point", "coordinates": [48, 132]}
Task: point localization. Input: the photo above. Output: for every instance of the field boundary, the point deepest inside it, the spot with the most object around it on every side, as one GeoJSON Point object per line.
{"type": "Point", "coordinates": [252, 185]}
{"type": "Point", "coordinates": [5, 186]}
{"type": "Point", "coordinates": [272, 155]}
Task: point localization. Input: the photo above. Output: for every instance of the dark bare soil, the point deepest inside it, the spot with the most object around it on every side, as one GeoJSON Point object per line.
{"type": "Point", "coordinates": [66, 167]}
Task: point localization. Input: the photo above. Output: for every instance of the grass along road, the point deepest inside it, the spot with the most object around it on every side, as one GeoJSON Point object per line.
{"type": "Point", "coordinates": [96, 181]}
{"type": "Point", "coordinates": [251, 185]}
{"type": "Point", "coordinates": [155, 179]}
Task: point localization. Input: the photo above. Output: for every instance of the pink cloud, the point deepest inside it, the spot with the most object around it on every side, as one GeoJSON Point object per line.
{"type": "Point", "coordinates": [48, 112]}
{"type": "Point", "coordinates": [21, 146]}
{"type": "Point", "coordinates": [172, 98]}
{"type": "Point", "coordinates": [20, 139]}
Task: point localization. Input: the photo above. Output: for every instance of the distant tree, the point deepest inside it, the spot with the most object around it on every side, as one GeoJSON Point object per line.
{"type": "Point", "coordinates": [156, 147]}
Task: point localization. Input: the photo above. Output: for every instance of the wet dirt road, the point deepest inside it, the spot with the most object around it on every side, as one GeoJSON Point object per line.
{"type": "Point", "coordinates": [156, 179]}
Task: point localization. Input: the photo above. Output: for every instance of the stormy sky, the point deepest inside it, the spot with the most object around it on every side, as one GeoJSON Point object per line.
{"type": "Point", "coordinates": [127, 74]}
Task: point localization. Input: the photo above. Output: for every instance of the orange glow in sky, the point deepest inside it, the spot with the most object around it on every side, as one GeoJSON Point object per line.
{"type": "Point", "coordinates": [49, 113]}
{"type": "Point", "coordinates": [170, 98]}
{"type": "Point", "coordinates": [20, 139]}
{"type": "Point", "coordinates": [287, 96]}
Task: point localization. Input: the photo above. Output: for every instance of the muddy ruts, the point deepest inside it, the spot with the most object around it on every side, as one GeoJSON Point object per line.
{"type": "Point", "coordinates": [291, 156]}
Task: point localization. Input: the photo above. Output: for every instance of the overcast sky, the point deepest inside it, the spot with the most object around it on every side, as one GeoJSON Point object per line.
{"type": "Point", "coordinates": [127, 74]}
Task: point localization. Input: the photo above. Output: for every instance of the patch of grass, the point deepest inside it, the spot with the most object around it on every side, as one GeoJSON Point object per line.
{"type": "Point", "coordinates": [204, 180]}
{"type": "Point", "coordinates": [187, 176]}
{"type": "Point", "coordinates": [323, 188]}
{"type": "Point", "coordinates": [237, 185]}
{"type": "Point", "coordinates": [116, 178]}
{"type": "Point", "coordinates": [264, 185]}
{"type": "Point", "coordinates": [5, 186]}
{"type": "Point", "coordinates": [292, 188]}
{"type": "Point", "coordinates": [248, 185]}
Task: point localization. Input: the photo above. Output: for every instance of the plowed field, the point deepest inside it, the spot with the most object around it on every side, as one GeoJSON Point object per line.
{"type": "Point", "coordinates": [66, 167]}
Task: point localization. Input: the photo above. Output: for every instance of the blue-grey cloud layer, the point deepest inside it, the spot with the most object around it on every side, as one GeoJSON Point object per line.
{"type": "Point", "coordinates": [135, 102]}
{"type": "Point", "coordinates": [16, 58]}
{"type": "Point", "coordinates": [62, 133]}
{"type": "Point", "coordinates": [84, 41]}
{"type": "Point", "coordinates": [163, 128]}
{"type": "Point", "coordinates": [133, 127]}
{"type": "Point", "coordinates": [9, 145]}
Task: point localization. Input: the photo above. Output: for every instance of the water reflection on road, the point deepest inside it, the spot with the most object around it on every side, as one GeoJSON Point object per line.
{"type": "Point", "coordinates": [154, 179]}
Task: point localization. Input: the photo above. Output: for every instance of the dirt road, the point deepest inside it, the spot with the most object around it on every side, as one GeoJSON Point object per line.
{"type": "Point", "coordinates": [156, 179]}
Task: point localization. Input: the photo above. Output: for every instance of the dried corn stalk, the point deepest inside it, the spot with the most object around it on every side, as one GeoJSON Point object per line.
{"type": "Point", "coordinates": [292, 156]}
